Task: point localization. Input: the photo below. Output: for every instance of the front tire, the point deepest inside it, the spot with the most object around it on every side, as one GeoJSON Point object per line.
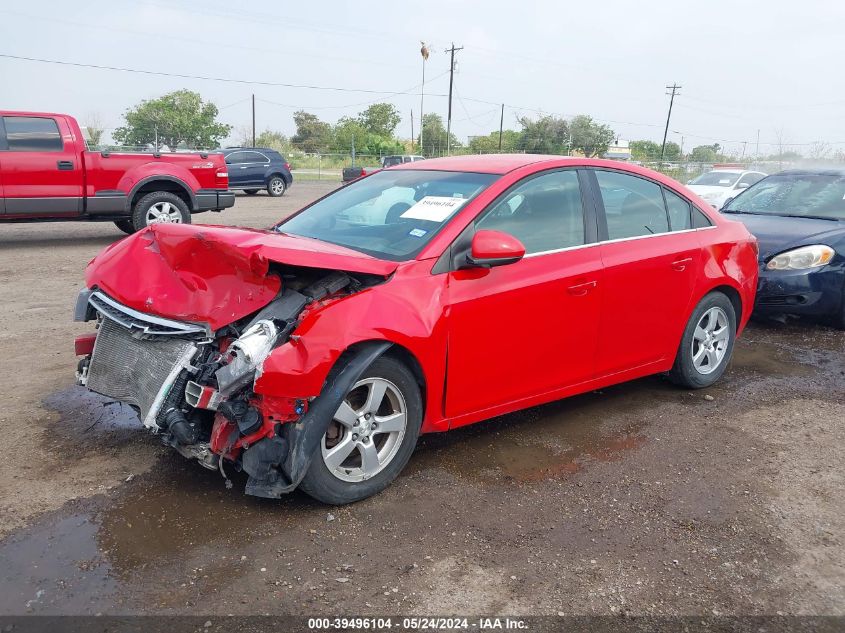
{"type": "Point", "coordinates": [707, 343]}
{"type": "Point", "coordinates": [371, 437]}
{"type": "Point", "coordinates": [277, 186]}
{"type": "Point", "coordinates": [160, 207]}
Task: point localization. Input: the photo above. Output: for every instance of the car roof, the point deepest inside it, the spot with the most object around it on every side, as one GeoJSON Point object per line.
{"type": "Point", "coordinates": [250, 149]}
{"type": "Point", "coordinates": [487, 163]}
{"type": "Point", "coordinates": [810, 171]}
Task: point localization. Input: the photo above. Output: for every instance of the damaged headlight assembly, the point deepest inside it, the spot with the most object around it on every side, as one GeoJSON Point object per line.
{"type": "Point", "coordinates": [245, 356]}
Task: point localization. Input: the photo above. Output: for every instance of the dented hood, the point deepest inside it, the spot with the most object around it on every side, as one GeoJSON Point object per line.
{"type": "Point", "coordinates": [211, 274]}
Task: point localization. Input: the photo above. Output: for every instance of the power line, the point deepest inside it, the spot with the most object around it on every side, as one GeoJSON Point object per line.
{"type": "Point", "coordinates": [187, 76]}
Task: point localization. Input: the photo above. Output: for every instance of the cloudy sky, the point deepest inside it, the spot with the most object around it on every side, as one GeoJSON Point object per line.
{"type": "Point", "coordinates": [767, 66]}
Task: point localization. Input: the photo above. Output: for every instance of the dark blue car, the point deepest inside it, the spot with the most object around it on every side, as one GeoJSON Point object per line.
{"type": "Point", "coordinates": [798, 217]}
{"type": "Point", "coordinates": [255, 168]}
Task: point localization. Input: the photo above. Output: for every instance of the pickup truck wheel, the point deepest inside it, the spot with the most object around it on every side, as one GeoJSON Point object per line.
{"type": "Point", "coordinates": [250, 192]}
{"type": "Point", "coordinates": [277, 186]}
{"type": "Point", "coordinates": [125, 226]}
{"type": "Point", "coordinates": [371, 437]}
{"type": "Point", "coordinates": [160, 207]}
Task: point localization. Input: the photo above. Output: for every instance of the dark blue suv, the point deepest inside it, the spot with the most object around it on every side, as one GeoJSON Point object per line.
{"type": "Point", "coordinates": [256, 168]}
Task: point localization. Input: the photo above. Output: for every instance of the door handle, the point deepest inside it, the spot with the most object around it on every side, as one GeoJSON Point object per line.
{"type": "Point", "coordinates": [579, 290]}
{"type": "Point", "coordinates": [245, 167]}
{"type": "Point", "coordinates": [681, 264]}
{"type": "Point", "coordinates": [64, 165]}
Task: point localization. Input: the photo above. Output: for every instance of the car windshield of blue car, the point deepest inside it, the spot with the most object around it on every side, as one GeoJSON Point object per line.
{"type": "Point", "coordinates": [717, 179]}
{"type": "Point", "coordinates": [794, 195]}
{"type": "Point", "coordinates": [392, 214]}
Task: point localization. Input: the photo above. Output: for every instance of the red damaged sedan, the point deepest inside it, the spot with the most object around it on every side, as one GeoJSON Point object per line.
{"type": "Point", "coordinates": [418, 299]}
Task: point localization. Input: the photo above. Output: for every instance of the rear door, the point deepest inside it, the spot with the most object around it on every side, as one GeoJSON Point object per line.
{"type": "Point", "coordinates": [43, 174]}
{"type": "Point", "coordinates": [649, 270]}
{"type": "Point", "coordinates": [238, 169]}
{"type": "Point", "coordinates": [528, 328]}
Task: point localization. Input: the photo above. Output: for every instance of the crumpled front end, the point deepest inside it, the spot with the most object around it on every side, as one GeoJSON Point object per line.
{"type": "Point", "coordinates": [193, 384]}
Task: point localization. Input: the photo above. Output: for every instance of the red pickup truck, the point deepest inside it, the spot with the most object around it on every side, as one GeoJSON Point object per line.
{"type": "Point", "coordinates": [47, 174]}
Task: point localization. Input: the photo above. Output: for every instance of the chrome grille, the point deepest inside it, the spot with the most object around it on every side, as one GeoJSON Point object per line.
{"type": "Point", "coordinates": [141, 322]}
{"type": "Point", "coordinates": [135, 370]}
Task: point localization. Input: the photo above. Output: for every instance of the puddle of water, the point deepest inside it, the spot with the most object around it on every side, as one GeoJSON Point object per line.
{"type": "Point", "coordinates": [55, 568]}
{"type": "Point", "coordinates": [549, 441]}
{"type": "Point", "coordinates": [90, 421]}
{"type": "Point", "coordinates": [770, 359]}
{"type": "Point", "coordinates": [117, 553]}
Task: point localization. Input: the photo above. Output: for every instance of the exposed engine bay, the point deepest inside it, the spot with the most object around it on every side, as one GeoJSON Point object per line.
{"type": "Point", "coordinates": [194, 386]}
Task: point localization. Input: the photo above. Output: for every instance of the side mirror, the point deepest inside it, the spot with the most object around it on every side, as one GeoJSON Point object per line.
{"type": "Point", "coordinates": [742, 185]}
{"type": "Point", "coordinates": [494, 248]}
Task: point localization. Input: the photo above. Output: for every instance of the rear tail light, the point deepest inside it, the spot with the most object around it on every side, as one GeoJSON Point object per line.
{"type": "Point", "coordinates": [363, 171]}
{"type": "Point", "coordinates": [287, 166]}
{"type": "Point", "coordinates": [222, 176]}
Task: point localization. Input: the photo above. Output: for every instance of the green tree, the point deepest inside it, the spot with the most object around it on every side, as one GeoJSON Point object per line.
{"type": "Point", "coordinates": [312, 134]}
{"type": "Point", "coordinates": [673, 152]}
{"type": "Point", "coordinates": [380, 119]}
{"type": "Point", "coordinates": [644, 150]}
{"type": "Point", "coordinates": [434, 136]}
{"type": "Point", "coordinates": [490, 144]}
{"type": "Point", "coordinates": [705, 153]}
{"type": "Point", "coordinates": [348, 129]}
{"type": "Point", "coordinates": [590, 138]}
{"type": "Point", "coordinates": [546, 135]}
{"type": "Point", "coordinates": [273, 140]}
{"type": "Point", "coordinates": [177, 118]}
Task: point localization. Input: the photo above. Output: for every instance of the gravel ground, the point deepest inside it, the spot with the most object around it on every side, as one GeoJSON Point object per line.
{"type": "Point", "coordinates": [639, 499]}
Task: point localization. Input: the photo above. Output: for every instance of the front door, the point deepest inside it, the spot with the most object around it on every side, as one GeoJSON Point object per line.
{"type": "Point", "coordinates": [650, 269]}
{"type": "Point", "coordinates": [41, 170]}
{"type": "Point", "coordinates": [527, 328]}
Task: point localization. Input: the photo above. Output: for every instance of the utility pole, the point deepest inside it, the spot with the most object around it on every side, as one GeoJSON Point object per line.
{"type": "Point", "coordinates": [452, 51]}
{"type": "Point", "coordinates": [253, 120]}
{"type": "Point", "coordinates": [424, 53]}
{"type": "Point", "coordinates": [412, 129]}
{"type": "Point", "coordinates": [674, 88]}
{"type": "Point", "coordinates": [501, 125]}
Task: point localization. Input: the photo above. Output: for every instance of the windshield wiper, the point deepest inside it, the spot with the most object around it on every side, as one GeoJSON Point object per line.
{"type": "Point", "coordinates": [812, 217]}
{"type": "Point", "coordinates": [738, 211]}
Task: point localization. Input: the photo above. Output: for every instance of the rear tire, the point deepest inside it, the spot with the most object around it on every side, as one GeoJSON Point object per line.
{"type": "Point", "coordinates": [707, 343]}
{"type": "Point", "coordinates": [160, 207]}
{"type": "Point", "coordinates": [277, 186]}
{"type": "Point", "coordinates": [251, 192]}
{"type": "Point", "coordinates": [125, 225]}
{"type": "Point", "coordinates": [345, 470]}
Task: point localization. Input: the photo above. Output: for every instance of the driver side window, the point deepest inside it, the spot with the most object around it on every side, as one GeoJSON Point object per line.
{"type": "Point", "coordinates": [544, 213]}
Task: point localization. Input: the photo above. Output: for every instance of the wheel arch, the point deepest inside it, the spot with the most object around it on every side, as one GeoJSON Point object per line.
{"type": "Point", "coordinates": [151, 184]}
{"type": "Point", "coordinates": [735, 298]}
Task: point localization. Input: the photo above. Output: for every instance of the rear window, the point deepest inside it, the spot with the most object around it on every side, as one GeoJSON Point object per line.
{"type": "Point", "coordinates": [32, 134]}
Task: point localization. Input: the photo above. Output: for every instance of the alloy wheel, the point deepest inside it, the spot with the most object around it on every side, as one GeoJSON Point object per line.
{"type": "Point", "coordinates": [367, 430]}
{"type": "Point", "coordinates": [710, 340]}
{"type": "Point", "coordinates": [278, 186]}
{"type": "Point", "coordinates": [163, 213]}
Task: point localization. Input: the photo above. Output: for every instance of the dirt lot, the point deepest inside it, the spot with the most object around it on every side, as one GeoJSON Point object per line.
{"type": "Point", "coordinates": [642, 498]}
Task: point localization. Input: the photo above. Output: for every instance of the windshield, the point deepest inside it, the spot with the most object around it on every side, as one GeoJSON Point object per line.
{"type": "Point", "coordinates": [813, 195]}
{"type": "Point", "coordinates": [717, 179]}
{"type": "Point", "coordinates": [391, 214]}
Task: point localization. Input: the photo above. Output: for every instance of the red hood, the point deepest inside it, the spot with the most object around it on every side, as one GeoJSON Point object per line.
{"type": "Point", "coordinates": [211, 274]}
